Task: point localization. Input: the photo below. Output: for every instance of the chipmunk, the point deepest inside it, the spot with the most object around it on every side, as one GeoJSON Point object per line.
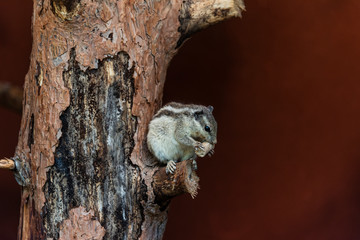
{"type": "Point", "coordinates": [180, 132]}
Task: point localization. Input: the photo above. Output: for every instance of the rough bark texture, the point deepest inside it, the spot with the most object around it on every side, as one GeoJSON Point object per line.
{"type": "Point", "coordinates": [96, 77]}
{"type": "Point", "coordinates": [167, 186]}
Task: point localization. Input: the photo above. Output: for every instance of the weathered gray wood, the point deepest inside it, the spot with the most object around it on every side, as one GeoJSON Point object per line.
{"type": "Point", "coordinates": [92, 160]}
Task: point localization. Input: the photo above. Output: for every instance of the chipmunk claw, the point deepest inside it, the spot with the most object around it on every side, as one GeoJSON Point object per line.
{"type": "Point", "coordinates": [170, 167]}
{"type": "Point", "coordinates": [211, 152]}
{"type": "Point", "coordinates": [199, 147]}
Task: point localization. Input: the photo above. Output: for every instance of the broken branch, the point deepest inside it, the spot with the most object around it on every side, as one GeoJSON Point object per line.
{"type": "Point", "coordinates": [198, 15]}
{"type": "Point", "coordinates": [184, 180]}
{"type": "Point", "coordinates": [7, 163]}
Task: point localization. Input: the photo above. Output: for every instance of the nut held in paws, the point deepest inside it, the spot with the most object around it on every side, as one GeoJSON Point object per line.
{"type": "Point", "coordinates": [205, 148]}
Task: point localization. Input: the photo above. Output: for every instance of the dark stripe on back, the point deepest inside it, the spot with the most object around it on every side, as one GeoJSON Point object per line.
{"type": "Point", "coordinates": [165, 112]}
{"type": "Point", "coordinates": [179, 105]}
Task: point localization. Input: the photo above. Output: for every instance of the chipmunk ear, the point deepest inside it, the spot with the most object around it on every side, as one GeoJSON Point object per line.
{"type": "Point", "coordinates": [211, 108]}
{"type": "Point", "coordinates": [197, 114]}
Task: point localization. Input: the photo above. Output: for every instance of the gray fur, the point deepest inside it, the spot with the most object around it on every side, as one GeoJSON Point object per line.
{"type": "Point", "coordinates": [176, 129]}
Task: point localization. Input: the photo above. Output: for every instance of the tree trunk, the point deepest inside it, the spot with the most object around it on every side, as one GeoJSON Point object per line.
{"type": "Point", "coordinates": [96, 78]}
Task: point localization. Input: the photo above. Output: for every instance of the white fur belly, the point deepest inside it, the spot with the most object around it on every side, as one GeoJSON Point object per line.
{"type": "Point", "coordinates": [162, 144]}
{"type": "Point", "coordinates": [171, 150]}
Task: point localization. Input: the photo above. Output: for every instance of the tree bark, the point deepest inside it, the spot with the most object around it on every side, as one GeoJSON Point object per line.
{"type": "Point", "coordinates": [96, 78]}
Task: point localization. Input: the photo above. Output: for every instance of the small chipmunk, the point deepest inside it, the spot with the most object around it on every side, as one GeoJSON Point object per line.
{"type": "Point", "coordinates": [180, 132]}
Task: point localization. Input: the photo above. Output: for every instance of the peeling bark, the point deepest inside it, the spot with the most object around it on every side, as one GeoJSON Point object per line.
{"type": "Point", "coordinates": [81, 225]}
{"type": "Point", "coordinates": [96, 77]}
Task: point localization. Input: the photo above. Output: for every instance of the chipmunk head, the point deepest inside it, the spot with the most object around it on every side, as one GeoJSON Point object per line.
{"type": "Point", "coordinates": [206, 126]}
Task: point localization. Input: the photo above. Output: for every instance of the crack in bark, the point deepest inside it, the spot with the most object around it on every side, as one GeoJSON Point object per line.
{"type": "Point", "coordinates": [31, 132]}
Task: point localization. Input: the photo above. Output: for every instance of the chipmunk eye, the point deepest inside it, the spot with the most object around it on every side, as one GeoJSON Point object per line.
{"type": "Point", "coordinates": [207, 128]}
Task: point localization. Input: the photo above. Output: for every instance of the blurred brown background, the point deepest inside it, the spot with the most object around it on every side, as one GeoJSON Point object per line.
{"type": "Point", "coordinates": [285, 84]}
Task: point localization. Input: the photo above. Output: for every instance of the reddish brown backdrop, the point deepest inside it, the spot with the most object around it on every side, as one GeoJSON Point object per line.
{"type": "Point", "coordinates": [285, 84]}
